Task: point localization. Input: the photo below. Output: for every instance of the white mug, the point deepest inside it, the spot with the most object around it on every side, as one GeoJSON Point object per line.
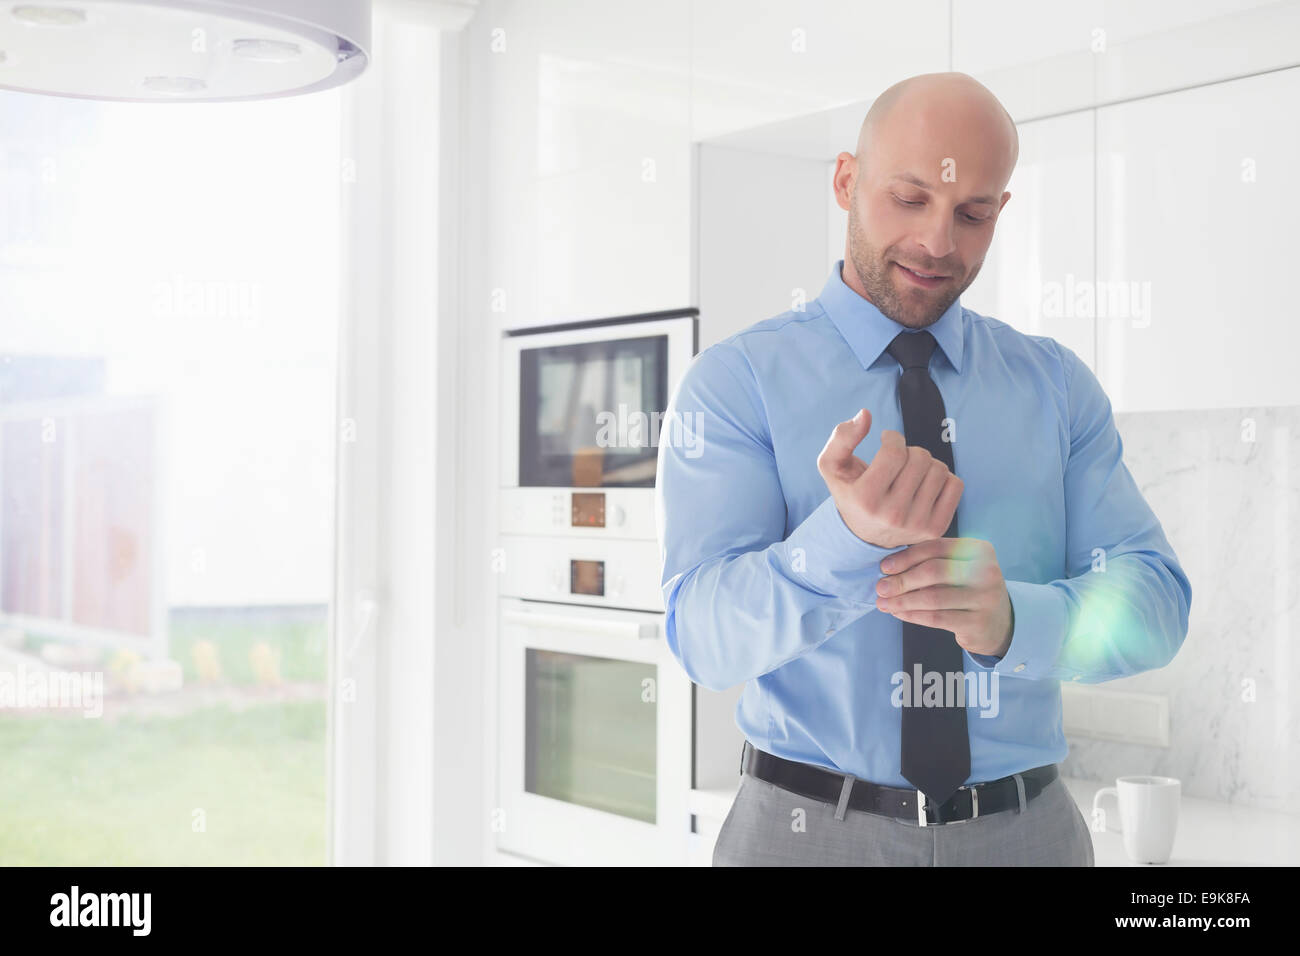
{"type": "Point", "coordinates": [1148, 812]}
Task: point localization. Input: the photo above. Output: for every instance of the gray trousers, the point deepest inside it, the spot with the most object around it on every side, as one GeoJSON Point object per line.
{"type": "Point", "coordinates": [771, 826]}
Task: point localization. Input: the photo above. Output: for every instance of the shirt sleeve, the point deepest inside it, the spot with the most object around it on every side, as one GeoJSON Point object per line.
{"type": "Point", "coordinates": [743, 598]}
{"type": "Point", "coordinates": [1124, 606]}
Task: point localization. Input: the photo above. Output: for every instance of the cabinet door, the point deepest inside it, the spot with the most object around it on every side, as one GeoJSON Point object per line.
{"type": "Point", "coordinates": [1197, 203]}
{"type": "Point", "coordinates": [590, 148]}
{"type": "Point", "coordinates": [1152, 46]}
{"type": "Point", "coordinates": [1036, 57]}
{"type": "Point", "coordinates": [614, 174]}
{"type": "Point", "coordinates": [1042, 59]}
{"type": "Point", "coordinates": [758, 63]}
{"type": "Point", "coordinates": [1042, 251]}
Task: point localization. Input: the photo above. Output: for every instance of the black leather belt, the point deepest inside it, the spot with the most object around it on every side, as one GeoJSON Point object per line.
{"type": "Point", "coordinates": [967, 803]}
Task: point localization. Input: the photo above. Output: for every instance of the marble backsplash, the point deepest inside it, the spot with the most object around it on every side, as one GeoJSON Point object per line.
{"type": "Point", "coordinates": [1224, 486]}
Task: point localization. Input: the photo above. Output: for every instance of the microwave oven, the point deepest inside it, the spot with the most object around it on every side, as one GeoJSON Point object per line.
{"type": "Point", "coordinates": [583, 413]}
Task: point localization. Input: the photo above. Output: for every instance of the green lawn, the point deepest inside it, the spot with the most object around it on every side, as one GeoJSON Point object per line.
{"type": "Point", "coordinates": [124, 792]}
{"type": "Point", "coordinates": [298, 638]}
{"type": "Point", "coordinates": [91, 792]}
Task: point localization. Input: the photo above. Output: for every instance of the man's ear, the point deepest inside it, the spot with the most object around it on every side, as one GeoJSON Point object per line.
{"type": "Point", "coordinates": [1005, 197]}
{"type": "Point", "coordinates": [846, 174]}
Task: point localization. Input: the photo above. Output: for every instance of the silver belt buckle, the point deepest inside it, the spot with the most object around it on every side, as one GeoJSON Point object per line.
{"type": "Point", "coordinates": [974, 800]}
{"type": "Point", "coordinates": [923, 820]}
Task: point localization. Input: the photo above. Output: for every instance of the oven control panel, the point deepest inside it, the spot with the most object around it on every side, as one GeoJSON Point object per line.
{"type": "Point", "coordinates": [608, 513]}
{"type": "Point", "coordinates": [599, 573]}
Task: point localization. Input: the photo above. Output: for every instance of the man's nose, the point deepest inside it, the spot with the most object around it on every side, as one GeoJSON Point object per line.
{"type": "Point", "coordinates": [937, 237]}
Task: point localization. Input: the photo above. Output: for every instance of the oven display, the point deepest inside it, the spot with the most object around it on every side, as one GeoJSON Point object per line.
{"type": "Point", "coordinates": [588, 509]}
{"type": "Point", "coordinates": [587, 577]}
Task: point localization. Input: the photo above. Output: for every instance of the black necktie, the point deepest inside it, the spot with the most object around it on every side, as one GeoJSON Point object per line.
{"type": "Point", "coordinates": [935, 746]}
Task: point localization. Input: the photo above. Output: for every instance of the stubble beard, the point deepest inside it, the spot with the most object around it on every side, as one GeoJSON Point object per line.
{"type": "Point", "coordinates": [912, 307]}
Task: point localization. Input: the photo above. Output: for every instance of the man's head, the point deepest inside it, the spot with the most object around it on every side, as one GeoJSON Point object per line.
{"type": "Point", "coordinates": [923, 193]}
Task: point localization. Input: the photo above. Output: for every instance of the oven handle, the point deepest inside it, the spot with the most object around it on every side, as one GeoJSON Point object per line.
{"type": "Point", "coordinates": [640, 630]}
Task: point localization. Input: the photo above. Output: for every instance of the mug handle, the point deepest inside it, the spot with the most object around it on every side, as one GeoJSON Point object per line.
{"type": "Point", "coordinates": [1096, 803]}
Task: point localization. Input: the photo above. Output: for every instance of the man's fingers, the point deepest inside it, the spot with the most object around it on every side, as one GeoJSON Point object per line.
{"type": "Point", "coordinates": [959, 622]}
{"type": "Point", "coordinates": [936, 477]}
{"type": "Point", "coordinates": [889, 460]}
{"type": "Point", "coordinates": [950, 549]}
{"type": "Point", "coordinates": [945, 506]}
{"type": "Point", "coordinates": [914, 470]}
{"type": "Point", "coordinates": [937, 597]}
{"type": "Point", "coordinates": [837, 458]}
{"type": "Point", "coordinates": [914, 554]}
{"type": "Point", "coordinates": [936, 570]}
{"type": "Point", "coordinates": [933, 572]}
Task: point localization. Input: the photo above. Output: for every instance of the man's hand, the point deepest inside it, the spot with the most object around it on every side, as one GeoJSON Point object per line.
{"type": "Point", "coordinates": [905, 496]}
{"type": "Point", "coordinates": [954, 584]}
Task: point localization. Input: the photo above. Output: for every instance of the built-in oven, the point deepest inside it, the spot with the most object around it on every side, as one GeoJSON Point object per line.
{"type": "Point", "coordinates": [595, 732]}
{"type": "Point", "coordinates": [595, 751]}
{"type": "Point", "coordinates": [583, 415]}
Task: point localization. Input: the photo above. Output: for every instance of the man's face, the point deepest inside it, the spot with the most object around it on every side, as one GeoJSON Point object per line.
{"type": "Point", "coordinates": [908, 217]}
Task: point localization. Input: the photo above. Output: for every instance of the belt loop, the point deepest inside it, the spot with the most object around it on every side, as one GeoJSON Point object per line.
{"type": "Point", "coordinates": [1020, 792]}
{"type": "Point", "coordinates": [847, 789]}
{"type": "Point", "coordinates": [743, 753]}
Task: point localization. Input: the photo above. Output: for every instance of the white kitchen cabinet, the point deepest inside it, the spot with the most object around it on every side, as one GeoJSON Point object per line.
{"type": "Point", "coordinates": [1043, 59]}
{"type": "Point", "coordinates": [1154, 46]}
{"type": "Point", "coordinates": [1042, 249]}
{"type": "Point", "coordinates": [1197, 203]}
{"type": "Point", "coordinates": [1036, 57]}
{"type": "Point", "coordinates": [590, 156]}
{"type": "Point", "coordinates": [755, 63]}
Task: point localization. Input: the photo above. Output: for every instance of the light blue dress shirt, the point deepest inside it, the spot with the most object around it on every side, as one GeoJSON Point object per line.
{"type": "Point", "coordinates": [765, 585]}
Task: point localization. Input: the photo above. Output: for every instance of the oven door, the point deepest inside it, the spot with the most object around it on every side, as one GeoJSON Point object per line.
{"type": "Point", "coordinates": [595, 737]}
{"type": "Point", "coordinates": [582, 419]}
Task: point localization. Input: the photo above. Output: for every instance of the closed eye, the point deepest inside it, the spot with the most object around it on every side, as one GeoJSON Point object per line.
{"type": "Point", "coordinates": [967, 216]}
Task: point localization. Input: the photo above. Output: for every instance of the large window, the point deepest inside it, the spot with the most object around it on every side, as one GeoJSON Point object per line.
{"type": "Point", "coordinates": [168, 326]}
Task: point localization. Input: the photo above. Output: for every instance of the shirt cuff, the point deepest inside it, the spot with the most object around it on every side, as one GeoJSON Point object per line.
{"type": "Point", "coordinates": [829, 558]}
{"type": "Point", "coordinates": [1036, 637]}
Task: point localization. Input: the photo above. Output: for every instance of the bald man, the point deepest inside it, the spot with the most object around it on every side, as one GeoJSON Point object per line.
{"type": "Point", "coordinates": [902, 599]}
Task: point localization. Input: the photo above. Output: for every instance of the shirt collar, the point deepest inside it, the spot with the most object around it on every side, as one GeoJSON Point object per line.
{"type": "Point", "coordinates": [868, 331]}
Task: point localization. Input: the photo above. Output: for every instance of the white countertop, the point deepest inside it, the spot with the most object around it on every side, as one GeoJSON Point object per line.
{"type": "Point", "coordinates": [1210, 832]}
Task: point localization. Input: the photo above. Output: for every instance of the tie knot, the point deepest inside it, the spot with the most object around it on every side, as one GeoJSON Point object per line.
{"type": "Point", "coordinates": [912, 349]}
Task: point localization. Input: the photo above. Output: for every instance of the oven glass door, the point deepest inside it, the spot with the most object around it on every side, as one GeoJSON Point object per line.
{"type": "Point", "coordinates": [595, 737]}
{"type": "Point", "coordinates": [589, 412]}
{"type": "Point", "coordinates": [590, 731]}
